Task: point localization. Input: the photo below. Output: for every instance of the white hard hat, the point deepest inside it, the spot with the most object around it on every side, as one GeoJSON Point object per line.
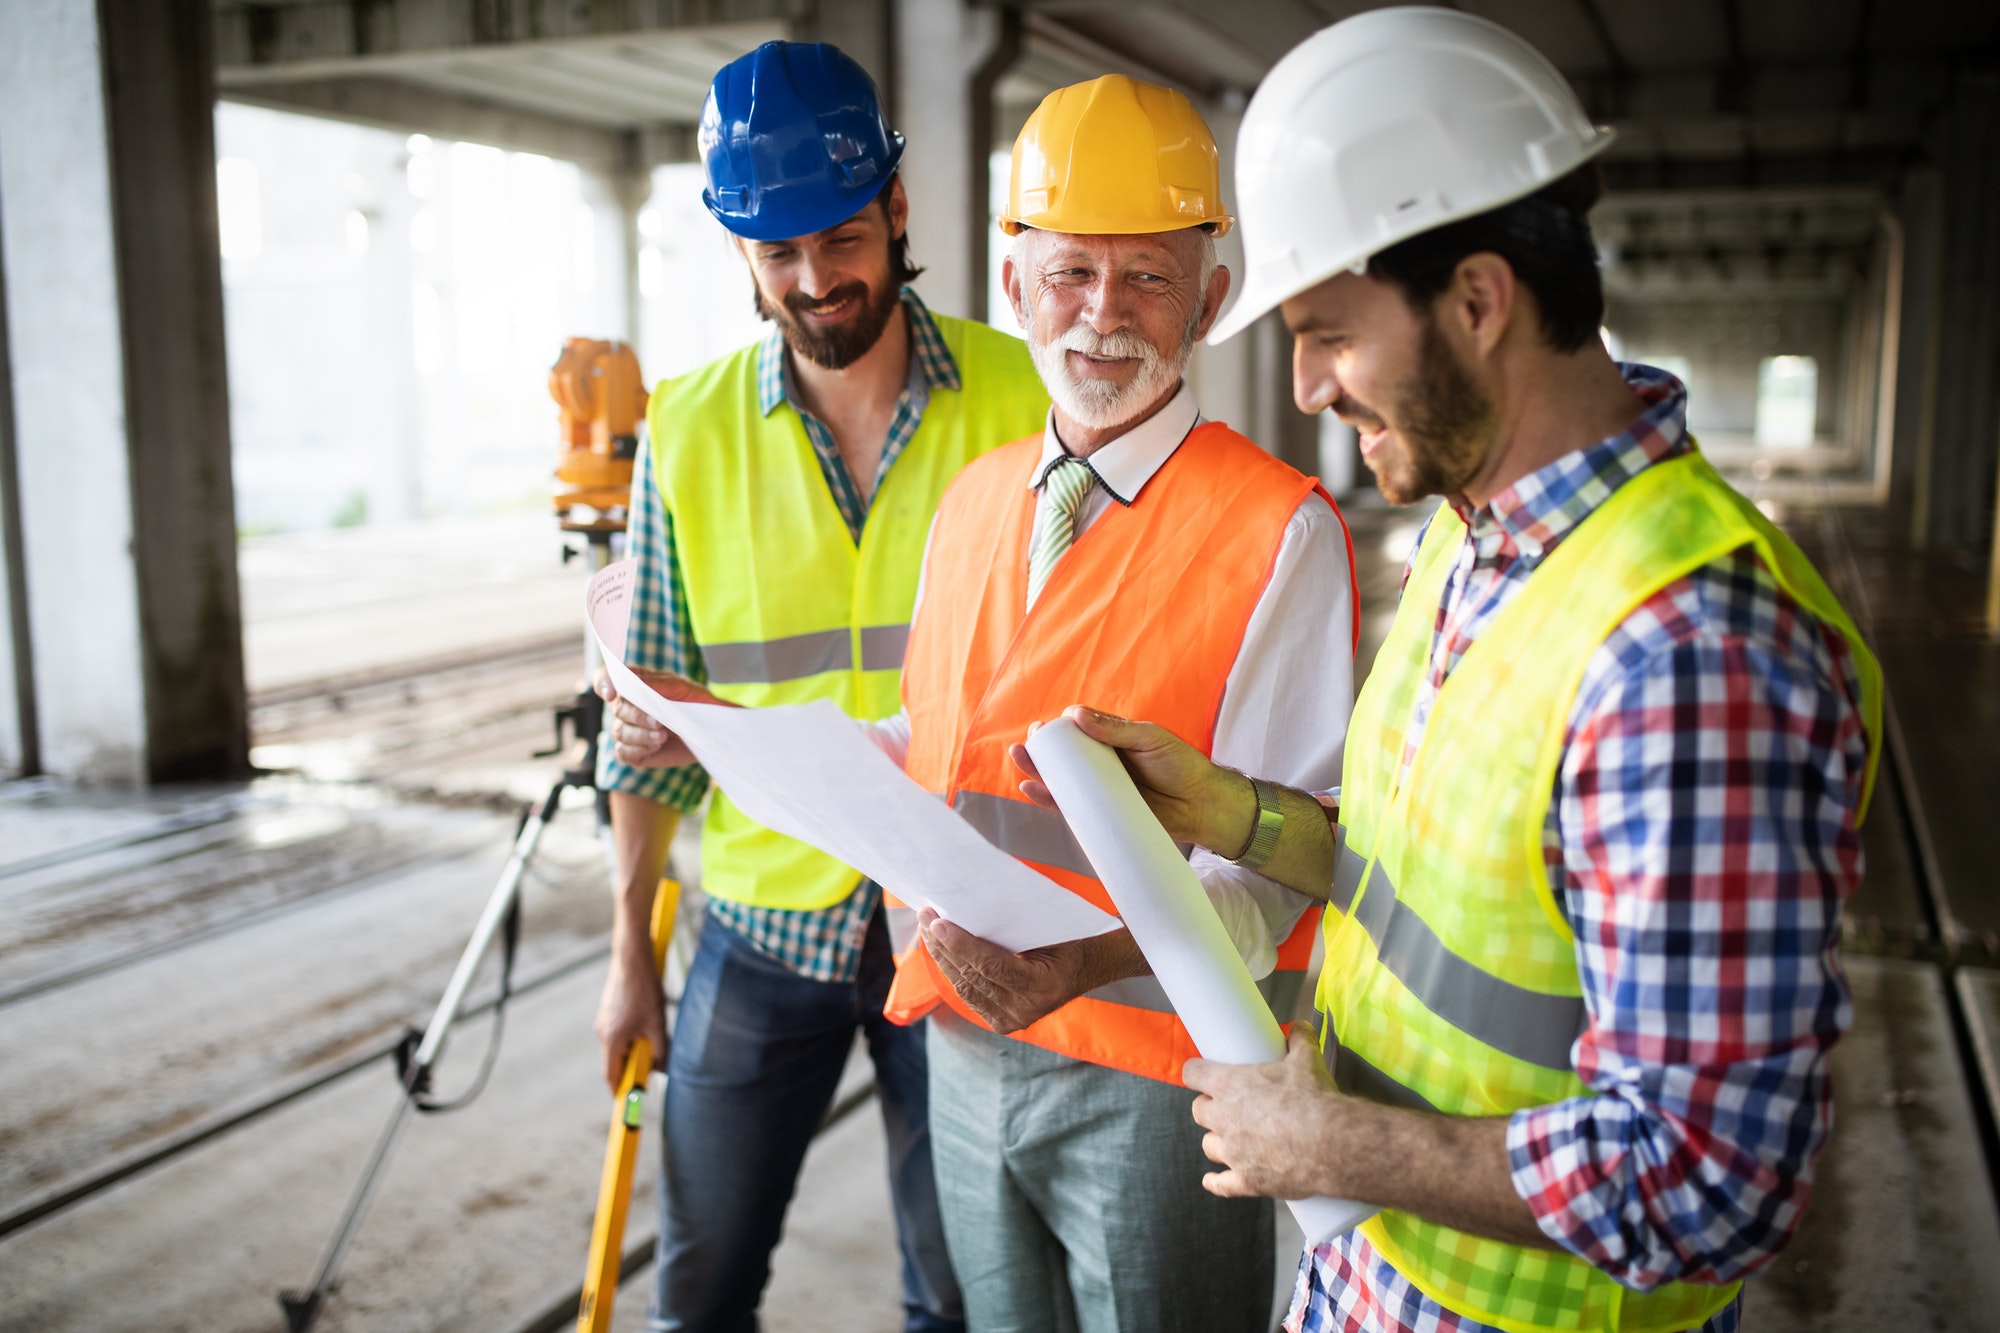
{"type": "Point", "coordinates": [1385, 125]}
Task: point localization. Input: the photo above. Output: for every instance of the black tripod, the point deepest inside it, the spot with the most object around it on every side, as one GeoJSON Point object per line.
{"type": "Point", "coordinates": [418, 1055]}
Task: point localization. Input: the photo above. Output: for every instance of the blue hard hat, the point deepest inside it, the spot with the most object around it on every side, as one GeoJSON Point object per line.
{"type": "Point", "coordinates": [793, 141]}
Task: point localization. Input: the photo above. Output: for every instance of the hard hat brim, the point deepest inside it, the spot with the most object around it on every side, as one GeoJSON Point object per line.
{"type": "Point", "coordinates": [1260, 297]}
{"type": "Point", "coordinates": [793, 226]}
{"type": "Point", "coordinates": [1218, 227]}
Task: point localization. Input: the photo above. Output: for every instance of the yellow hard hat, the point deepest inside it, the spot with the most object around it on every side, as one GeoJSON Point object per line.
{"type": "Point", "coordinates": [1114, 157]}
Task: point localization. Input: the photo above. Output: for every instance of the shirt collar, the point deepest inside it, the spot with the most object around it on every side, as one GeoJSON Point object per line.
{"type": "Point", "coordinates": [1541, 508]}
{"type": "Point", "coordinates": [931, 363]}
{"type": "Point", "coordinates": [1126, 464]}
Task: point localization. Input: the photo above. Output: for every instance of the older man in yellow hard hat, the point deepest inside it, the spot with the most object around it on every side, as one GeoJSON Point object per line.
{"type": "Point", "coordinates": [1139, 556]}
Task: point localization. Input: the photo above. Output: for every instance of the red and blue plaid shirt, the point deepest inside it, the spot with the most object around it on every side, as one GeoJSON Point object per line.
{"type": "Point", "coordinates": [1702, 839]}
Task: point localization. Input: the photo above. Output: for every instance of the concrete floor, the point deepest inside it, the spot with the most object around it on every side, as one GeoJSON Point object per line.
{"type": "Point", "coordinates": [354, 600]}
{"type": "Point", "coordinates": [196, 987]}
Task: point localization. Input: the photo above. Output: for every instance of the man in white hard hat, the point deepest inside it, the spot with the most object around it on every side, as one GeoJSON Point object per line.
{"type": "Point", "coordinates": [1602, 787]}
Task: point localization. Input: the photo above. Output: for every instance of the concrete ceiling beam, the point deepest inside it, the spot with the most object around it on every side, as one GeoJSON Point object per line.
{"type": "Point", "coordinates": [408, 109]}
{"type": "Point", "coordinates": [322, 37]}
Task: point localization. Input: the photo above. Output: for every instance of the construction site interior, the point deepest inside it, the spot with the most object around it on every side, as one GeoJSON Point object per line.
{"type": "Point", "coordinates": [289, 621]}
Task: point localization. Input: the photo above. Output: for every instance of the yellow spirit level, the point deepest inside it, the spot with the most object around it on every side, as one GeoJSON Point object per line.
{"type": "Point", "coordinates": [621, 1152]}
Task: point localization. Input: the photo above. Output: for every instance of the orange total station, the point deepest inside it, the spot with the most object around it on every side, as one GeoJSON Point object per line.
{"type": "Point", "coordinates": [597, 385]}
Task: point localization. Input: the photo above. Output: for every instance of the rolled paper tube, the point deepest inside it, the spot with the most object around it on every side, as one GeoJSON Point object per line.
{"type": "Point", "coordinates": [1171, 919]}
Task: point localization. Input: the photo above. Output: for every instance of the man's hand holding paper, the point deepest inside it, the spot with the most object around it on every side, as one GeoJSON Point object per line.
{"type": "Point", "coordinates": [1011, 991]}
{"type": "Point", "coordinates": [640, 739]}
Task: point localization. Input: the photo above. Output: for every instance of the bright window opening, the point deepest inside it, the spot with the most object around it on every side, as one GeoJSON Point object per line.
{"type": "Point", "coordinates": [1787, 400]}
{"type": "Point", "coordinates": [239, 210]}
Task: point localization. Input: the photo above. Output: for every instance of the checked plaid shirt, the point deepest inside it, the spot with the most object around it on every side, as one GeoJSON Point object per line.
{"type": "Point", "coordinates": [824, 945]}
{"type": "Point", "coordinates": [1701, 841]}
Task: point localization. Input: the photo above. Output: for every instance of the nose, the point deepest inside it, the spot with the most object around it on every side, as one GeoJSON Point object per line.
{"type": "Point", "coordinates": [1106, 308]}
{"type": "Point", "coordinates": [817, 276]}
{"type": "Point", "coordinates": [1314, 385]}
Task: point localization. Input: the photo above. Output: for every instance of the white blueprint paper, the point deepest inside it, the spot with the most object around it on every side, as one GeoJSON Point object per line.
{"type": "Point", "coordinates": [1172, 922]}
{"type": "Point", "coordinates": [810, 772]}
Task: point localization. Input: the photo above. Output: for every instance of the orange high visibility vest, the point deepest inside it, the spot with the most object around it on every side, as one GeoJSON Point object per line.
{"type": "Point", "coordinates": [1143, 617]}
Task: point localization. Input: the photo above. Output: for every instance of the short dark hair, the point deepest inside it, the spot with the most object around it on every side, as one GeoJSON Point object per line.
{"type": "Point", "coordinates": [901, 269]}
{"type": "Point", "coordinates": [1545, 238]}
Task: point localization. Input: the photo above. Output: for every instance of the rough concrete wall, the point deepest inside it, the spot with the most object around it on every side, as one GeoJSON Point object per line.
{"type": "Point", "coordinates": [67, 371]}
{"type": "Point", "coordinates": [160, 99]}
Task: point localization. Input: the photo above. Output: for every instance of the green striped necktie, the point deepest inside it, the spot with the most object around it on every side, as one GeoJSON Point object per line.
{"type": "Point", "coordinates": [1064, 489]}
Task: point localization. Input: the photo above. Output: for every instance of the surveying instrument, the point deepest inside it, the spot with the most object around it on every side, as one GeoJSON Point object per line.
{"type": "Point", "coordinates": [597, 386]}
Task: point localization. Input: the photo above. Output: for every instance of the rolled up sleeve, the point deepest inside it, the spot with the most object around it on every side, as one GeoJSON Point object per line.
{"type": "Point", "coordinates": [1704, 839]}
{"type": "Point", "coordinates": [659, 637]}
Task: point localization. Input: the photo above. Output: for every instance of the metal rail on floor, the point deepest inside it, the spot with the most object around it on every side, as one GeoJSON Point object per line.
{"type": "Point", "coordinates": [206, 815]}
{"type": "Point", "coordinates": [401, 674]}
{"type": "Point", "coordinates": [55, 981]}
{"type": "Point", "coordinates": [185, 1142]}
{"type": "Point", "coordinates": [1974, 1045]}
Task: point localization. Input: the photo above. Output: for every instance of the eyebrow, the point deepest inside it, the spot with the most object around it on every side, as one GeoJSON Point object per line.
{"type": "Point", "coordinates": [1151, 261]}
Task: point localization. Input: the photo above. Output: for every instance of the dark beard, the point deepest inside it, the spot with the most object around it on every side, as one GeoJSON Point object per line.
{"type": "Point", "coordinates": [840, 347]}
{"type": "Point", "coordinates": [1443, 420]}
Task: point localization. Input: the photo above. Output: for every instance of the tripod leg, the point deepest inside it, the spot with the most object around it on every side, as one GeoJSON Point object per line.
{"type": "Point", "coordinates": [302, 1309]}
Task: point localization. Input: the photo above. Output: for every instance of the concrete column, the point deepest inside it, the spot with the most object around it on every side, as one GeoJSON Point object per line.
{"type": "Point", "coordinates": [114, 311]}
{"type": "Point", "coordinates": [615, 198]}
{"type": "Point", "coordinates": [865, 30]}
{"type": "Point", "coordinates": [1920, 211]}
{"type": "Point", "coordinates": [940, 45]}
{"type": "Point", "coordinates": [20, 745]}
{"type": "Point", "coordinates": [1961, 471]}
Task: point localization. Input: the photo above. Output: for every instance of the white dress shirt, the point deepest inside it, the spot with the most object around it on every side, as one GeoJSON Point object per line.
{"type": "Point", "coordinates": [1286, 703]}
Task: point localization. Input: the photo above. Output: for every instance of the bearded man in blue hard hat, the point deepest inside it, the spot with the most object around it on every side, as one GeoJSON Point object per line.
{"type": "Point", "coordinates": [779, 524]}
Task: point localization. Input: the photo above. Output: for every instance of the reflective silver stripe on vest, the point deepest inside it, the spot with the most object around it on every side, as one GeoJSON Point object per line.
{"type": "Point", "coordinates": [1528, 1025]}
{"type": "Point", "coordinates": [1280, 990]}
{"type": "Point", "coordinates": [1031, 832]}
{"type": "Point", "coordinates": [882, 647]}
{"type": "Point", "coordinates": [1347, 872]}
{"type": "Point", "coordinates": [768, 661]}
{"type": "Point", "coordinates": [1352, 1074]}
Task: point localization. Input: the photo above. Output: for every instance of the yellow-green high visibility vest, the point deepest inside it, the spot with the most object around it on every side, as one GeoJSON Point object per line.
{"type": "Point", "coordinates": [1451, 978]}
{"type": "Point", "coordinates": [786, 607]}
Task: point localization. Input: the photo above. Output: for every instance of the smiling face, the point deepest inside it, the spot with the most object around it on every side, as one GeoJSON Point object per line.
{"type": "Point", "coordinates": [832, 293]}
{"type": "Point", "coordinates": [1111, 319]}
{"type": "Point", "coordinates": [1386, 368]}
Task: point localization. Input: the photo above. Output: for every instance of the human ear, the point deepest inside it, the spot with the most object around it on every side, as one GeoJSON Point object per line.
{"type": "Point", "coordinates": [1010, 281]}
{"type": "Point", "coordinates": [898, 208]}
{"type": "Point", "coordinates": [1212, 299]}
{"type": "Point", "coordinates": [1481, 300]}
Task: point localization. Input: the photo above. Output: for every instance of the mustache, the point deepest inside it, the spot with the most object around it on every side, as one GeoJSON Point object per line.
{"type": "Point", "coordinates": [1121, 344]}
{"type": "Point", "coordinates": [1356, 414]}
{"type": "Point", "coordinates": [801, 304]}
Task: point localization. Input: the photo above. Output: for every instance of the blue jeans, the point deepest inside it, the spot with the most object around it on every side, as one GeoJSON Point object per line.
{"type": "Point", "coordinates": [757, 1054]}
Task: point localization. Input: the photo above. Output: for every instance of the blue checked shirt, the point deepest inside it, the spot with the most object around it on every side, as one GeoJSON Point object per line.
{"type": "Point", "coordinates": [824, 945]}
{"type": "Point", "coordinates": [1702, 839]}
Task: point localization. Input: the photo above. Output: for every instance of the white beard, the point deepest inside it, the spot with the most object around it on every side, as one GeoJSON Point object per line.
{"type": "Point", "coordinates": [1100, 404]}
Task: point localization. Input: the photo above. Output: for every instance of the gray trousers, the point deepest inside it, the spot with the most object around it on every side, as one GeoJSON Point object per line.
{"type": "Point", "coordinates": [1072, 1197]}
